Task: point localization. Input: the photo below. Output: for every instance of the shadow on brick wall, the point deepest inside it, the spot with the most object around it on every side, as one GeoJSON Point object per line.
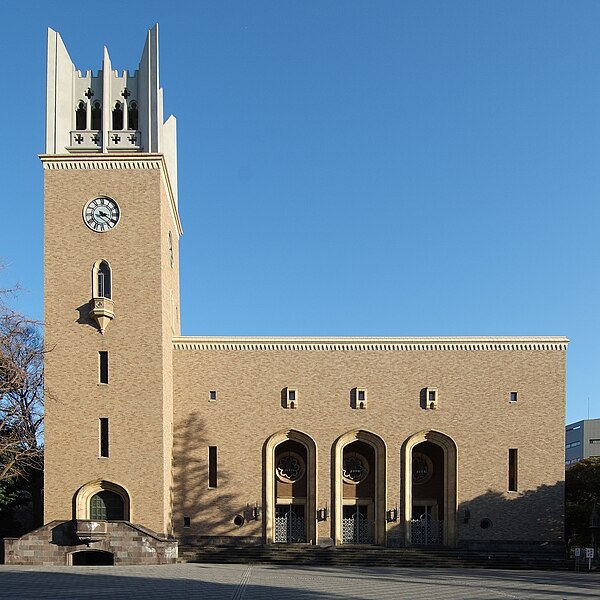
{"type": "Point", "coordinates": [208, 508]}
{"type": "Point", "coordinates": [531, 519]}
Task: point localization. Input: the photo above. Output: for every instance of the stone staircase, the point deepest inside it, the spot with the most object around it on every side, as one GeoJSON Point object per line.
{"type": "Point", "coordinates": [368, 556]}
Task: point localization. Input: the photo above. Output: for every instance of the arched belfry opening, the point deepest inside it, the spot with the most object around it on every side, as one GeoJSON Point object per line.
{"type": "Point", "coordinates": [96, 115]}
{"type": "Point", "coordinates": [430, 489]}
{"type": "Point", "coordinates": [81, 116]}
{"type": "Point", "coordinates": [360, 488]}
{"type": "Point", "coordinates": [102, 501]}
{"type": "Point", "coordinates": [132, 116]}
{"type": "Point", "coordinates": [117, 117]}
{"type": "Point", "coordinates": [290, 488]}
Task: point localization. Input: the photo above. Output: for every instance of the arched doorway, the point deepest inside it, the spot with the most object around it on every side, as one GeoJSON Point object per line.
{"type": "Point", "coordinates": [92, 557]}
{"type": "Point", "coordinates": [102, 501]}
{"type": "Point", "coordinates": [290, 488]}
{"type": "Point", "coordinates": [430, 503]}
{"type": "Point", "coordinates": [360, 488]}
{"type": "Point", "coordinates": [107, 506]}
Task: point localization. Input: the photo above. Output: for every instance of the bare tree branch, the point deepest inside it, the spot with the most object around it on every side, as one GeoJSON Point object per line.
{"type": "Point", "coordinates": [21, 393]}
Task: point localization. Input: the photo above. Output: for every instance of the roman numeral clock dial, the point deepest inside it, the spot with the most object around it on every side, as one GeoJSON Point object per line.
{"type": "Point", "coordinates": [101, 214]}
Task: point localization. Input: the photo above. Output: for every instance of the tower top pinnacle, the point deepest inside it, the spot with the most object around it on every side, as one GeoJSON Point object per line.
{"type": "Point", "coordinates": [109, 112]}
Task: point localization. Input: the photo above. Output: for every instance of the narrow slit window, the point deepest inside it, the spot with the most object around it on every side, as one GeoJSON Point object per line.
{"type": "Point", "coordinates": [104, 437]}
{"type": "Point", "coordinates": [513, 468]}
{"type": "Point", "coordinates": [212, 466]}
{"type": "Point", "coordinates": [103, 360]}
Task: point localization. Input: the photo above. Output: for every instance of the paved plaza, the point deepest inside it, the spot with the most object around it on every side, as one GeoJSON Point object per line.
{"type": "Point", "coordinates": [244, 582]}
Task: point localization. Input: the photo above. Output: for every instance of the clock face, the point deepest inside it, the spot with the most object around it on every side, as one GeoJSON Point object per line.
{"type": "Point", "coordinates": [101, 214]}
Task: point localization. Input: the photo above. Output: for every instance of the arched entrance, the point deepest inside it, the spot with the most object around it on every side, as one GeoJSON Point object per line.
{"type": "Point", "coordinates": [430, 504]}
{"type": "Point", "coordinates": [102, 501]}
{"type": "Point", "coordinates": [290, 488]}
{"type": "Point", "coordinates": [360, 488]}
{"type": "Point", "coordinates": [92, 557]}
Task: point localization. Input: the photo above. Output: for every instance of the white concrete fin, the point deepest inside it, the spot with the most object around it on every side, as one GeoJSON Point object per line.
{"type": "Point", "coordinates": [106, 87]}
{"type": "Point", "coordinates": [60, 72]}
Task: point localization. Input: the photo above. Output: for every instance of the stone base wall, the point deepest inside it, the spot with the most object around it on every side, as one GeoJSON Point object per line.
{"type": "Point", "coordinates": [57, 542]}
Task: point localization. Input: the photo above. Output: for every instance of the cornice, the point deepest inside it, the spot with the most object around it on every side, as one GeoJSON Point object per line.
{"type": "Point", "coordinates": [372, 344]}
{"type": "Point", "coordinates": [113, 161]}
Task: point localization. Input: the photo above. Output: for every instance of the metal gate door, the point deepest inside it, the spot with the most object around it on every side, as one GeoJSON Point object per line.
{"type": "Point", "coordinates": [356, 527]}
{"type": "Point", "coordinates": [289, 523]}
{"type": "Point", "coordinates": [425, 530]}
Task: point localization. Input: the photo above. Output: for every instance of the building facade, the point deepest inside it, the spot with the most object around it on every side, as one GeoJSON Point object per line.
{"type": "Point", "coordinates": [582, 440]}
{"type": "Point", "coordinates": [152, 437]}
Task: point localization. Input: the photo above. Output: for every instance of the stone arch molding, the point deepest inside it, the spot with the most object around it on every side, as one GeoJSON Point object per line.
{"type": "Point", "coordinates": [380, 481]}
{"type": "Point", "coordinates": [311, 475]}
{"type": "Point", "coordinates": [85, 492]}
{"type": "Point", "coordinates": [448, 445]}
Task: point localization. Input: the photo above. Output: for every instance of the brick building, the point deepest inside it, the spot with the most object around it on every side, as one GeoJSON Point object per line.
{"type": "Point", "coordinates": [153, 437]}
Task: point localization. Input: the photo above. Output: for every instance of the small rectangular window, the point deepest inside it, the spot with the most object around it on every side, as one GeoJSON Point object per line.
{"type": "Point", "coordinates": [291, 395]}
{"type": "Point", "coordinates": [361, 395]}
{"type": "Point", "coordinates": [514, 396]}
{"type": "Point", "coordinates": [212, 466]}
{"type": "Point", "coordinates": [104, 437]}
{"type": "Point", "coordinates": [212, 395]}
{"type": "Point", "coordinates": [103, 363]}
{"type": "Point", "coordinates": [594, 440]}
{"type": "Point", "coordinates": [513, 467]}
{"type": "Point", "coordinates": [187, 521]}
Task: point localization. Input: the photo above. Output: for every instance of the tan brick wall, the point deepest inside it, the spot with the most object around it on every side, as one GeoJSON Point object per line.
{"type": "Point", "coordinates": [474, 410]}
{"type": "Point", "coordinates": [138, 339]}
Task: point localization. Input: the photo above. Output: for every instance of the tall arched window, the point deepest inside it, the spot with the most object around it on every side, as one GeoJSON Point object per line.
{"type": "Point", "coordinates": [117, 117]}
{"type": "Point", "coordinates": [102, 280]}
{"type": "Point", "coordinates": [107, 506]}
{"type": "Point", "coordinates": [96, 116]}
{"type": "Point", "coordinates": [132, 116]}
{"type": "Point", "coordinates": [80, 116]}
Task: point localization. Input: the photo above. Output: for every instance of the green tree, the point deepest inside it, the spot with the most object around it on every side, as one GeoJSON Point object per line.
{"type": "Point", "coordinates": [582, 491]}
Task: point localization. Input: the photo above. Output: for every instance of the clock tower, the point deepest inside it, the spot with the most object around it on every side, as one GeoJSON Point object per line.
{"type": "Point", "coordinates": [111, 227]}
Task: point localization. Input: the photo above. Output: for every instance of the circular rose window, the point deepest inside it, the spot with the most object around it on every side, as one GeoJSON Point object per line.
{"type": "Point", "coordinates": [355, 469]}
{"type": "Point", "coordinates": [422, 468]}
{"type": "Point", "coordinates": [290, 467]}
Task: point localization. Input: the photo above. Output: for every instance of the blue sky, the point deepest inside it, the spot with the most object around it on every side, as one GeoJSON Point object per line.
{"type": "Point", "coordinates": [352, 168]}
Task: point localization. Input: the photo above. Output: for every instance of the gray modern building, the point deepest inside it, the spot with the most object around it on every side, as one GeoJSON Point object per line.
{"type": "Point", "coordinates": [582, 440]}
